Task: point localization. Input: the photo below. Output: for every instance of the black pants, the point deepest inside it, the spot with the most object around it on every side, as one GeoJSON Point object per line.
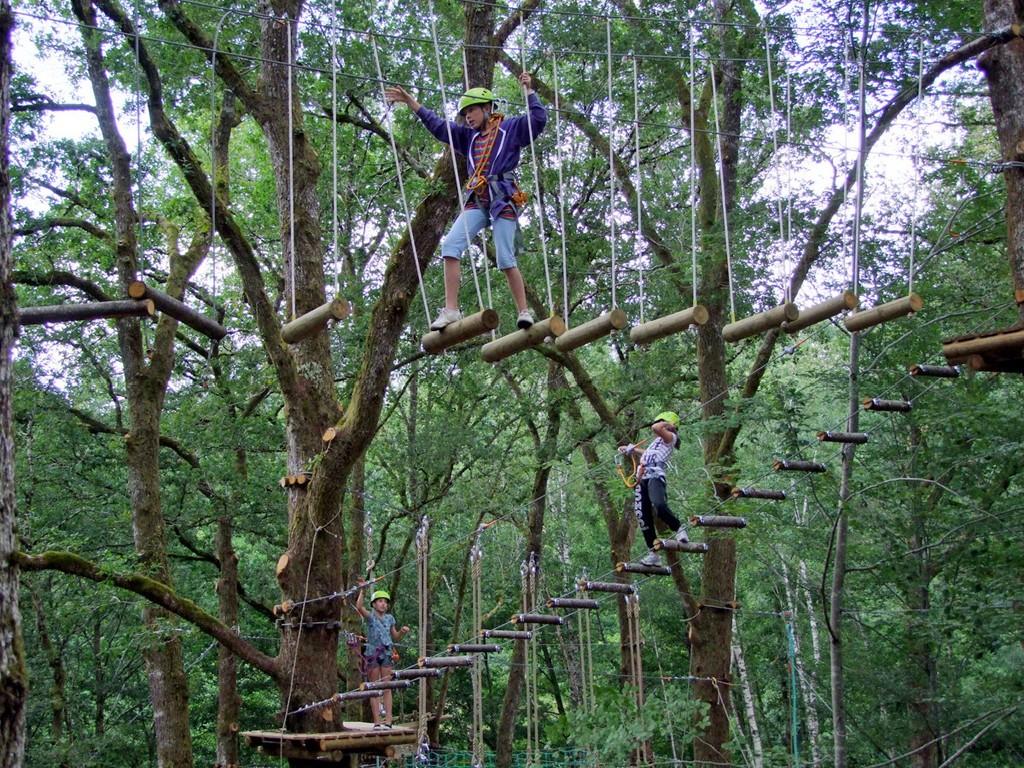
{"type": "Point", "coordinates": [650, 499]}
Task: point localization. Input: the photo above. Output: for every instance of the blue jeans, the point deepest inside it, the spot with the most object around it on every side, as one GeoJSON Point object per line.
{"type": "Point", "coordinates": [468, 226]}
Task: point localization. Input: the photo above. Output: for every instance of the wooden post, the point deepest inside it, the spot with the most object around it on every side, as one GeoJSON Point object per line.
{"type": "Point", "coordinates": [612, 320]}
{"type": "Point", "coordinates": [875, 404]}
{"type": "Point", "coordinates": [661, 327]}
{"type": "Point", "coordinates": [572, 602]}
{"type": "Point", "coordinates": [939, 371]}
{"type": "Point", "coordinates": [517, 341]}
{"type": "Point", "coordinates": [718, 521]}
{"type": "Point", "coordinates": [304, 326]}
{"type": "Point", "coordinates": [178, 310]}
{"type": "Point", "coordinates": [823, 311]}
{"type": "Point", "coordinates": [784, 465]}
{"type": "Point", "coordinates": [483, 321]}
{"type": "Point", "coordinates": [758, 493]}
{"type": "Point", "coordinates": [861, 321]}
{"type": "Point", "coordinates": [761, 322]}
{"type": "Point", "coordinates": [671, 545]}
{"type": "Point", "coordinates": [66, 313]}
{"type": "Point", "coordinates": [857, 438]}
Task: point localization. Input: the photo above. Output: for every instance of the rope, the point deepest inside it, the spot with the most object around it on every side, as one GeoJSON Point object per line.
{"type": "Point", "coordinates": [611, 155]}
{"type": "Point", "coordinates": [664, 694]}
{"type": "Point", "coordinates": [401, 183]}
{"type": "Point", "coordinates": [693, 167]}
{"type": "Point", "coordinates": [917, 170]}
{"type": "Point", "coordinates": [291, 171]}
{"type": "Point", "coordinates": [213, 160]}
{"type": "Point", "coordinates": [339, 268]}
{"type": "Point", "coordinates": [422, 588]}
{"type": "Point", "coordinates": [725, 206]}
{"type": "Point", "coordinates": [639, 176]}
{"type": "Point", "coordinates": [641, 277]}
{"type": "Point", "coordinates": [861, 157]}
{"type": "Point", "coordinates": [632, 602]}
{"type": "Point", "coordinates": [538, 204]}
{"type": "Point", "coordinates": [451, 147]}
{"type": "Point", "coordinates": [586, 657]}
{"type": "Point", "coordinates": [476, 672]}
{"type": "Point", "coordinates": [775, 156]}
{"type": "Point", "coordinates": [561, 189]}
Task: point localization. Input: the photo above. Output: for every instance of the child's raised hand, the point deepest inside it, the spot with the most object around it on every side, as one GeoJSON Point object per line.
{"type": "Point", "coordinates": [405, 629]}
{"type": "Point", "coordinates": [397, 93]}
{"type": "Point", "coordinates": [525, 80]}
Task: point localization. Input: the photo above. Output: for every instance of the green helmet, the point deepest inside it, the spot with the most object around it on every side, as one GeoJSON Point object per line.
{"type": "Point", "coordinates": [475, 96]}
{"type": "Point", "coordinates": [670, 416]}
{"type": "Point", "coordinates": [379, 594]}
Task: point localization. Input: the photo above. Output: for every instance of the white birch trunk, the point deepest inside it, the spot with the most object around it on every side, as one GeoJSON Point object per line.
{"type": "Point", "coordinates": [757, 750]}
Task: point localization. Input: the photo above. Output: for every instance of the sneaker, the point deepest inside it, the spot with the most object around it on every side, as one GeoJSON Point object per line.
{"type": "Point", "coordinates": [651, 558]}
{"type": "Point", "coordinates": [525, 320]}
{"type": "Point", "coordinates": [681, 535]}
{"type": "Point", "coordinates": [445, 318]}
{"type": "Point", "coordinates": [379, 726]}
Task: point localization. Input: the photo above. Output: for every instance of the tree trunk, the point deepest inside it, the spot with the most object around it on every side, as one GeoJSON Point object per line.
{"type": "Point", "coordinates": [13, 676]}
{"type": "Point", "coordinates": [55, 660]}
{"type": "Point", "coordinates": [228, 701]}
{"type": "Point", "coordinates": [1004, 69]}
{"type": "Point", "coordinates": [805, 681]}
{"type": "Point", "coordinates": [757, 750]}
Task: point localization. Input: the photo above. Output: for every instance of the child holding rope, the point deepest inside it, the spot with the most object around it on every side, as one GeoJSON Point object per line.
{"type": "Point", "coordinates": [491, 144]}
{"type": "Point", "coordinates": [651, 495]}
{"type": "Point", "coordinates": [381, 634]}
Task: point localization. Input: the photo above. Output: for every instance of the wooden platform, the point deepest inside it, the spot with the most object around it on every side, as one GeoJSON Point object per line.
{"type": "Point", "coordinates": [1000, 351]}
{"type": "Point", "coordinates": [335, 747]}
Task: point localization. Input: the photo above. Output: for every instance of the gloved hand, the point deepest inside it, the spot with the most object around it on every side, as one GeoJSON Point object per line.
{"type": "Point", "coordinates": [625, 450]}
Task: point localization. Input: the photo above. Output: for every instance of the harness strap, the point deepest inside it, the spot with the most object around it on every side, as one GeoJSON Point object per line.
{"type": "Point", "coordinates": [478, 180]}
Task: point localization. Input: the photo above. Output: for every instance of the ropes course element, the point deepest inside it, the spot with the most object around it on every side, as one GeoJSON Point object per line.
{"type": "Point", "coordinates": [718, 521]}
{"type": "Point", "coordinates": [673, 545]}
{"type": "Point", "coordinates": [855, 438]}
{"type": "Point", "coordinates": [587, 696]}
{"type": "Point", "coordinates": [477, 732]}
{"type": "Point", "coordinates": [822, 311]}
{"type": "Point", "coordinates": [632, 603]}
{"type": "Point", "coordinates": [528, 575]}
{"type": "Point", "coordinates": [796, 465]}
{"type": "Point", "coordinates": [423, 596]}
{"type": "Point", "coordinates": [935, 371]}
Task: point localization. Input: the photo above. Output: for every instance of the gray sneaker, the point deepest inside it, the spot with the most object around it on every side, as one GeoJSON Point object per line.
{"type": "Point", "coordinates": [681, 535]}
{"type": "Point", "coordinates": [445, 318]}
{"type": "Point", "coordinates": [525, 320]}
{"type": "Point", "coordinates": [651, 558]}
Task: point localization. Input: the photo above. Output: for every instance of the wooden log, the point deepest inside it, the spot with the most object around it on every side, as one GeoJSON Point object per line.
{"type": "Point", "coordinates": [869, 318]}
{"type": "Point", "coordinates": [661, 327]}
{"type": "Point", "coordinates": [761, 322]}
{"type": "Point", "coordinates": [592, 330]}
{"type": "Point", "coordinates": [690, 547]}
{"type": "Point", "coordinates": [797, 465]}
{"type": "Point", "coordinates": [938, 371]}
{"type": "Point", "coordinates": [758, 493]}
{"type": "Point", "coordinates": [414, 674]}
{"type": "Point", "coordinates": [995, 364]}
{"type": "Point", "coordinates": [536, 618]}
{"type": "Point", "coordinates": [474, 648]}
{"type": "Point", "coordinates": [436, 342]}
{"type": "Point", "coordinates": [718, 521]}
{"type": "Point", "coordinates": [517, 341]}
{"type": "Point", "coordinates": [1001, 342]}
{"type": "Point", "coordinates": [357, 695]}
{"type": "Point", "coordinates": [508, 634]}
{"type": "Point", "coordinates": [876, 404]}
{"type": "Point", "coordinates": [377, 740]}
{"type": "Point", "coordinates": [606, 586]}
{"type": "Point", "coordinates": [822, 311]}
{"type": "Point", "coordinates": [857, 438]}
{"type": "Point", "coordinates": [178, 310]}
{"type": "Point", "coordinates": [385, 685]}
{"type": "Point", "coordinates": [647, 570]}
{"type": "Point", "coordinates": [441, 663]}
{"type": "Point", "coordinates": [1018, 295]}
{"type": "Point", "coordinates": [98, 310]}
{"type": "Point", "coordinates": [314, 321]}
{"type": "Point", "coordinates": [572, 602]}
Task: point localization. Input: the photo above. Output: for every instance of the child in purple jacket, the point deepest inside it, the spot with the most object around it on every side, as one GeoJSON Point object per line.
{"type": "Point", "coordinates": [492, 146]}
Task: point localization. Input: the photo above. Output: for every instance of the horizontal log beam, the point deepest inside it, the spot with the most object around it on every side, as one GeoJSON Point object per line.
{"type": "Point", "coordinates": [592, 330]}
{"type": "Point", "coordinates": [937, 371]}
{"type": "Point", "coordinates": [508, 634]}
{"type": "Point", "coordinates": [856, 438]}
{"type": "Point", "coordinates": [606, 586]}
{"type": "Point", "coordinates": [536, 618]}
{"type": "Point", "coordinates": [435, 342]}
{"type": "Point", "coordinates": [646, 570]}
{"type": "Point", "coordinates": [689, 547]}
{"type": "Point", "coordinates": [314, 321]}
{"type": "Point", "coordinates": [797, 465]}
{"type": "Point", "coordinates": [869, 318]}
{"type": "Point", "coordinates": [1004, 343]}
{"type": "Point", "coordinates": [822, 311]}
{"type": "Point", "coordinates": [517, 341]}
{"type": "Point", "coordinates": [98, 310]}
{"type": "Point", "coordinates": [761, 322]}
{"type": "Point", "coordinates": [877, 404]}
{"type": "Point", "coordinates": [718, 521]}
{"type": "Point", "coordinates": [178, 310]}
{"type": "Point", "coordinates": [661, 327]}
{"type": "Point", "coordinates": [574, 603]}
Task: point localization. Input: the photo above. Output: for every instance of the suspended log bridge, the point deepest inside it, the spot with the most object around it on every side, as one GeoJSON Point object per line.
{"type": "Point", "coordinates": [178, 310]}
{"type": "Point", "coordinates": [892, 406]}
{"type": "Point", "coordinates": [761, 322]}
{"type": "Point", "coordinates": [661, 327]}
{"type": "Point", "coordinates": [517, 341]}
{"type": "Point", "coordinates": [758, 493]}
{"type": "Point", "coordinates": [335, 748]}
{"type": "Point", "coordinates": [592, 330]}
{"type": "Point", "coordinates": [606, 586]}
{"type": "Point", "coordinates": [646, 570]}
{"type": "Point", "coordinates": [465, 329]}
{"type": "Point", "coordinates": [797, 465]}
{"type": "Point", "coordinates": [718, 521]}
{"type": "Point", "coordinates": [474, 648]}
{"type": "Point", "coordinates": [575, 603]}
{"type": "Point", "coordinates": [98, 310]}
{"type": "Point", "coordinates": [856, 438]}
{"type": "Point", "coordinates": [508, 634]}
{"type": "Point", "coordinates": [936, 371]}
{"type": "Point", "coordinates": [869, 318]}
{"type": "Point", "coordinates": [536, 618]}
{"type": "Point", "coordinates": [829, 308]}
{"type": "Point", "coordinates": [314, 321]}
{"type": "Point", "coordinates": [689, 547]}
{"type": "Point", "coordinates": [444, 662]}
{"type": "Point", "coordinates": [415, 674]}
{"type": "Point", "coordinates": [385, 685]}
{"type": "Point", "coordinates": [999, 351]}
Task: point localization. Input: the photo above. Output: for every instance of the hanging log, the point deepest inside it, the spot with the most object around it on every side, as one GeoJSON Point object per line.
{"type": "Point", "coordinates": [661, 327]}
{"type": "Point", "coordinates": [385, 685]}
{"type": "Point", "coordinates": [857, 438]}
{"type": "Point", "coordinates": [592, 330]}
{"type": "Point", "coordinates": [572, 602]}
{"type": "Point", "coordinates": [517, 341]}
{"type": "Point", "coordinates": [178, 310]}
{"type": "Point", "coordinates": [483, 321]}
{"type": "Point", "coordinates": [606, 586]}
{"type": "Point", "coordinates": [758, 493]}
{"type": "Point", "coordinates": [861, 321]}
{"type": "Point", "coordinates": [536, 618]}
{"type": "Point", "coordinates": [690, 547]}
{"type": "Point", "coordinates": [647, 570]}
{"type": "Point", "coordinates": [718, 521]}
{"type": "Point", "coordinates": [474, 648]}
{"type": "Point", "coordinates": [508, 634]}
{"type": "Point", "coordinates": [314, 321]}
{"type": "Point", "coordinates": [444, 662]}
{"type": "Point", "coordinates": [938, 371]}
{"type": "Point", "coordinates": [414, 674]}
{"type": "Point", "coordinates": [823, 311]}
{"type": "Point", "coordinates": [357, 695]}
{"type": "Point", "coordinates": [761, 322]}
{"type": "Point", "coordinates": [1005, 343]}
{"type": "Point", "coordinates": [99, 310]}
{"type": "Point", "coordinates": [876, 404]}
{"type": "Point", "coordinates": [797, 465]}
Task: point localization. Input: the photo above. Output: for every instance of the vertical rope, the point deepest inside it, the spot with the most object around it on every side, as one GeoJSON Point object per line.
{"type": "Point", "coordinates": [338, 268]}
{"type": "Point", "coordinates": [639, 175]}
{"type": "Point", "coordinates": [611, 155]}
{"type": "Point", "coordinates": [641, 295]}
{"type": "Point", "coordinates": [422, 587]}
{"type": "Point", "coordinates": [538, 204]}
{"type": "Point", "coordinates": [291, 170]}
{"type": "Point", "coordinates": [861, 148]}
{"type": "Point", "coordinates": [213, 159]}
{"type": "Point", "coordinates": [401, 183]}
{"type": "Point", "coordinates": [775, 159]}
{"type": "Point", "coordinates": [693, 165]}
{"type": "Point", "coordinates": [725, 206]}
{"type": "Point", "coordinates": [451, 147]}
{"type": "Point", "coordinates": [915, 159]}
{"type": "Point", "coordinates": [664, 695]}
{"type": "Point", "coordinates": [138, 134]}
{"type": "Point", "coordinates": [476, 672]}
{"type": "Point", "coordinates": [636, 666]}
{"type": "Point", "coordinates": [561, 189]}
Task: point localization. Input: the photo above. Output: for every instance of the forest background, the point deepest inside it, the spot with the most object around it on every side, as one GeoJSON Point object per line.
{"type": "Point", "coordinates": [879, 605]}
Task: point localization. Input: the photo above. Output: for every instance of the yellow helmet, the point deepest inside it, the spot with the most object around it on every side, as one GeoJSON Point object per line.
{"type": "Point", "coordinates": [670, 416]}
{"type": "Point", "coordinates": [379, 594]}
{"type": "Point", "coordinates": [475, 96]}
